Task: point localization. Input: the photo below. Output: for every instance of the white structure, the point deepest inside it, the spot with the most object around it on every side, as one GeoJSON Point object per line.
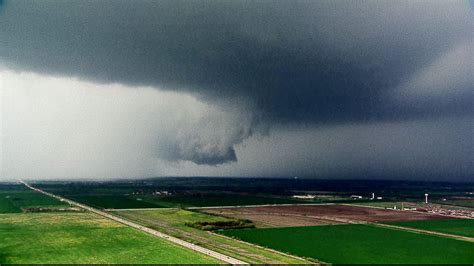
{"type": "Point", "coordinates": [373, 196]}
{"type": "Point", "coordinates": [426, 198]}
{"type": "Point", "coordinates": [304, 196]}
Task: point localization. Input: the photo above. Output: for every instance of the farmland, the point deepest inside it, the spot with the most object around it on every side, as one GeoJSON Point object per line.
{"type": "Point", "coordinates": [359, 244]}
{"type": "Point", "coordinates": [462, 227]}
{"type": "Point", "coordinates": [113, 201]}
{"type": "Point", "coordinates": [207, 213]}
{"type": "Point", "coordinates": [221, 199]}
{"type": "Point", "coordinates": [201, 191]}
{"type": "Point", "coordinates": [15, 201]}
{"type": "Point", "coordinates": [173, 222]}
{"type": "Point", "coordinates": [299, 215]}
{"type": "Point", "coordinates": [126, 200]}
{"type": "Point", "coordinates": [83, 238]}
{"type": "Point", "coordinates": [387, 205]}
{"type": "Point", "coordinates": [467, 202]}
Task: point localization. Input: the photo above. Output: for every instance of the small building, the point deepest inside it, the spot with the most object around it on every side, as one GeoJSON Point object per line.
{"type": "Point", "coordinates": [308, 196]}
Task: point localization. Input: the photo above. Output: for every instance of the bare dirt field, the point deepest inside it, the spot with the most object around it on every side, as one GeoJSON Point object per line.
{"type": "Point", "coordinates": [306, 215]}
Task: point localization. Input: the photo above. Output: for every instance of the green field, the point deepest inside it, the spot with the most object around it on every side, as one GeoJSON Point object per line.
{"type": "Point", "coordinates": [462, 227]}
{"type": "Point", "coordinates": [15, 201]}
{"type": "Point", "coordinates": [173, 216]}
{"type": "Point", "coordinates": [219, 199]}
{"type": "Point", "coordinates": [360, 244]}
{"type": "Point", "coordinates": [122, 200]}
{"type": "Point", "coordinates": [83, 238]}
{"type": "Point", "coordinates": [173, 222]}
{"type": "Point", "coordinates": [462, 203]}
{"type": "Point", "coordinates": [113, 201]}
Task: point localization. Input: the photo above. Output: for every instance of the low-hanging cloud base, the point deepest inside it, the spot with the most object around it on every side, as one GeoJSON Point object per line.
{"type": "Point", "coordinates": [59, 128]}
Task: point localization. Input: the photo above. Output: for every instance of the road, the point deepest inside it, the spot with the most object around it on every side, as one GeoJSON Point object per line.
{"type": "Point", "coordinates": [415, 230]}
{"type": "Point", "coordinates": [147, 230]}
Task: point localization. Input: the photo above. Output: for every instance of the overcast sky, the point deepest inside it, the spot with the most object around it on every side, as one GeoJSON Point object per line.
{"type": "Point", "coordinates": [321, 89]}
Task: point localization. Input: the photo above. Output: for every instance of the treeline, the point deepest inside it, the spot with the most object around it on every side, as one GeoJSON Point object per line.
{"type": "Point", "coordinates": [217, 225]}
{"type": "Point", "coordinates": [46, 209]}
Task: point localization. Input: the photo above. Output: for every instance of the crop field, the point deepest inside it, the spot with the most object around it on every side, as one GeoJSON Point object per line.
{"type": "Point", "coordinates": [303, 215]}
{"type": "Point", "coordinates": [113, 201]}
{"type": "Point", "coordinates": [221, 199]}
{"type": "Point", "coordinates": [173, 222]}
{"type": "Point", "coordinates": [83, 238]}
{"type": "Point", "coordinates": [172, 216]}
{"type": "Point", "coordinates": [121, 200]}
{"type": "Point", "coordinates": [468, 202]}
{"type": "Point", "coordinates": [130, 195]}
{"type": "Point", "coordinates": [202, 192]}
{"type": "Point", "coordinates": [265, 218]}
{"type": "Point", "coordinates": [16, 200]}
{"type": "Point", "coordinates": [359, 244]}
{"type": "Point", "coordinates": [462, 227]}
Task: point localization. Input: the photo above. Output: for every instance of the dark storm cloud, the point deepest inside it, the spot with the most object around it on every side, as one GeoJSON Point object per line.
{"type": "Point", "coordinates": [350, 71]}
{"type": "Point", "coordinates": [311, 61]}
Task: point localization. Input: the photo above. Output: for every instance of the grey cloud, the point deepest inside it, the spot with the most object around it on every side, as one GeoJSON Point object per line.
{"type": "Point", "coordinates": [312, 61]}
{"type": "Point", "coordinates": [363, 68]}
{"type": "Point", "coordinates": [209, 139]}
{"type": "Point", "coordinates": [429, 150]}
{"type": "Point", "coordinates": [60, 127]}
{"type": "Point", "coordinates": [439, 149]}
{"type": "Point", "coordinates": [447, 80]}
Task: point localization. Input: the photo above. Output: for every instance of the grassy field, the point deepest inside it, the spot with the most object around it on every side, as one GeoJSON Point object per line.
{"type": "Point", "coordinates": [172, 222]}
{"type": "Point", "coordinates": [218, 199]}
{"type": "Point", "coordinates": [462, 227]}
{"type": "Point", "coordinates": [14, 201]}
{"type": "Point", "coordinates": [83, 238]}
{"type": "Point", "coordinates": [113, 200]}
{"type": "Point", "coordinates": [360, 244]}
{"type": "Point", "coordinates": [174, 216]}
{"type": "Point", "coordinates": [462, 203]}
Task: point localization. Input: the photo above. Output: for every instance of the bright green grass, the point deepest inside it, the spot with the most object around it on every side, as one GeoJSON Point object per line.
{"type": "Point", "coordinates": [462, 227]}
{"type": "Point", "coordinates": [179, 216]}
{"type": "Point", "coordinates": [15, 201]}
{"type": "Point", "coordinates": [360, 244]}
{"type": "Point", "coordinates": [83, 238]}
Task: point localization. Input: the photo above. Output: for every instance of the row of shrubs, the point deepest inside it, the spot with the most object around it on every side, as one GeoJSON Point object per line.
{"type": "Point", "coordinates": [53, 209]}
{"type": "Point", "coordinates": [218, 225]}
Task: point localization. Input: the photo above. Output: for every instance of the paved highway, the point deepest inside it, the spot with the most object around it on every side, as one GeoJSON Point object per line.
{"type": "Point", "coordinates": [175, 240]}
